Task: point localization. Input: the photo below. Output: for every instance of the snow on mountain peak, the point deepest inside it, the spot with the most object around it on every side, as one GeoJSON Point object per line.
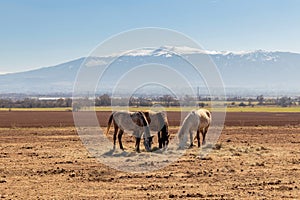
{"type": "Point", "coordinates": [169, 51]}
{"type": "Point", "coordinates": [164, 50]}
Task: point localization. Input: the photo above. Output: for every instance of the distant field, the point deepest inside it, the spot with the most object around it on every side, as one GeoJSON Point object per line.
{"type": "Point", "coordinates": [175, 109]}
{"type": "Point", "coordinates": [263, 109]}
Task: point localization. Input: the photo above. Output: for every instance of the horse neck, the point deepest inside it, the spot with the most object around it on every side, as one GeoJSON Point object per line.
{"type": "Point", "coordinates": [147, 131]}
{"type": "Point", "coordinates": [183, 128]}
{"type": "Point", "coordinates": [145, 125]}
{"type": "Point", "coordinates": [186, 125]}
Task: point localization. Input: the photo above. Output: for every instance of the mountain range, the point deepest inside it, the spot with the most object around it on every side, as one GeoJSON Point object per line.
{"type": "Point", "coordinates": [248, 72]}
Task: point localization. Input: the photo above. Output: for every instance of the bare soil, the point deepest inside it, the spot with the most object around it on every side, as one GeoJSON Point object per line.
{"type": "Point", "coordinates": [247, 163]}
{"type": "Point", "coordinates": [39, 119]}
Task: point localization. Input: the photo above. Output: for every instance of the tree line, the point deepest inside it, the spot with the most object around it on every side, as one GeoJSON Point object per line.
{"type": "Point", "coordinates": [165, 100]}
{"type": "Point", "coordinates": [260, 100]}
{"type": "Point", "coordinates": [102, 100]}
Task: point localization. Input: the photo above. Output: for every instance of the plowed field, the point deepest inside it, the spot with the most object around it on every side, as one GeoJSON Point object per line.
{"type": "Point", "coordinates": [257, 157]}
{"type": "Point", "coordinates": [65, 119]}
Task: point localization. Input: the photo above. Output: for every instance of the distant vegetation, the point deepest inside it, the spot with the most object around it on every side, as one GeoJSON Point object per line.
{"type": "Point", "coordinates": [35, 103]}
{"type": "Point", "coordinates": [165, 101]}
{"type": "Point", "coordinates": [262, 101]}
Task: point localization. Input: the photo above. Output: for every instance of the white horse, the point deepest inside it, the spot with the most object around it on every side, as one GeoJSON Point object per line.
{"type": "Point", "coordinates": [158, 122]}
{"type": "Point", "coordinates": [197, 120]}
{"type": "Point", "coordinates": [130, 121]}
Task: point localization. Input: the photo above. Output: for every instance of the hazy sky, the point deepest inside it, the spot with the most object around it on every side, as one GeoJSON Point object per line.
{"type": "Point", "coordinates": [40, 33]}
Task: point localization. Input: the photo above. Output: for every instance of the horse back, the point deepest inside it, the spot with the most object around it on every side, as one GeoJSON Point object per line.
{"type": "Point", "coordinates": [205, 118]}
{"type": "Point", "coordinates": [157, 120]}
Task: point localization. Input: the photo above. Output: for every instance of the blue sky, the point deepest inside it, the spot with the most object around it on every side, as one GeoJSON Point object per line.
{"type": "Point", "coordinates": [40, 33]}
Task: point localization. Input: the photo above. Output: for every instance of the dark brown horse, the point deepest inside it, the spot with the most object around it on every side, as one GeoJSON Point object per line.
{"type": "Point", "coordinates": [158, 122]}
{"type": "Point", "coordinates": [130, 121]}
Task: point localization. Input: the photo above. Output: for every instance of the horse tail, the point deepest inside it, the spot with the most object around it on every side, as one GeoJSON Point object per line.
{"type": "Point", "coordinates": [208, 113]}
{"type": "Point", "coordinates": [167, 130]}
{"type": "Point", "coordinates": [209, 118]}
{"type": "Point", "coordinates": [109, 122]}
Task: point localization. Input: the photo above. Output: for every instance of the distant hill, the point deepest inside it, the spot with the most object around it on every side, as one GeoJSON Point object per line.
{"type": "Point", "coordinates": [55, 79]}
{"type": "Point", "coordinates": [242, 72]}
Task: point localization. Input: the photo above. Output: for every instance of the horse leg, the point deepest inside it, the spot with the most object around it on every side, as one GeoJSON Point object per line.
{"type": "Point", "coordinates": [198, 137]}
{"type": "Point", "coordinates": [160, 139]}
{"type": "Point", "coordinates": [150, 141]}
{"type": "Point", "coordinates": [137, 141]}
{"type": "Point", "coordinates": [203, 135]}
{"type": "Point", "coordinates": [137, 144]}
{"type": "Point", "coordinates": [120, 139]}
{"type": "Point", "coordinates": [191, 139]}
{"type": "Point", "coordinates": [115, 137]}
{"type": "Point", "coordinates": [165, 136]}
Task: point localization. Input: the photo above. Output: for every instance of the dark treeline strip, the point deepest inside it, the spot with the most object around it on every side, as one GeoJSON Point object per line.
{"type": "Point", "coordinates": [165, 100]}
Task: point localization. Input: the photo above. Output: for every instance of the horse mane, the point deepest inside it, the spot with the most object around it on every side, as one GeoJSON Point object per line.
{"type": "Point", "coordinates": [144, 119]}
{"type": "Point", "coordinates": [147, 116]}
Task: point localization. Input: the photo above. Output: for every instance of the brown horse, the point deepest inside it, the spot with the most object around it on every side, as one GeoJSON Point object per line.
{"type": "Point", "coordinates": [197, 120]}
{"type": "Point", "coordinates": [130, 121]}
{"type": "Point", "coordinates": [158, 122]}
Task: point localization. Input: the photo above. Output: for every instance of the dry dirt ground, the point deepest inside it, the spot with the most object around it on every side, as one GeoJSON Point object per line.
{"type": "Point", "coordinates": [249, 162]}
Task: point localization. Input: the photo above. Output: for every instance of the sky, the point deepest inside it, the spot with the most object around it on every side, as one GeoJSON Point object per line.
{"type": "Point", "coordinates": [41, 33]}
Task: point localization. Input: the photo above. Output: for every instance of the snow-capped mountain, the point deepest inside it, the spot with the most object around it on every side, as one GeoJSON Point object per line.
{"type": "Point", "coordinates": [260, 70]}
